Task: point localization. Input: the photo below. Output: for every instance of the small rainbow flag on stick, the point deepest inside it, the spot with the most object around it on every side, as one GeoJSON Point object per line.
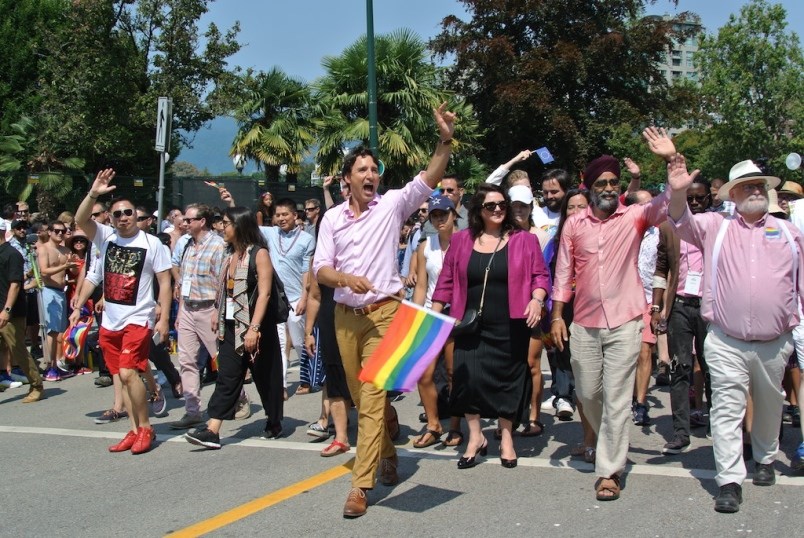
{"type": "Point", "coordinates": [412, 342]}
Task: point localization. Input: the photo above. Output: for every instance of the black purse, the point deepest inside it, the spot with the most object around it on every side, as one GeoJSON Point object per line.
{"type": "Point", "coordinates": [470, 323]}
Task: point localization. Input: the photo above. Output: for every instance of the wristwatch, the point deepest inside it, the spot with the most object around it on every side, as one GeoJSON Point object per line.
{"type": "Point", "coordinates": [255, 328]}
{"type": "Point", "coordinates": [7, 310]}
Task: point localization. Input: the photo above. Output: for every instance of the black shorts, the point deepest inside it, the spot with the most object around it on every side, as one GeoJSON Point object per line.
{"type": "Point", "coordinates": [32, 309]}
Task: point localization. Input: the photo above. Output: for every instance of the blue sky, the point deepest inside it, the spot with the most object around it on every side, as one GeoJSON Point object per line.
{"type": "Point", "coordinates": [296, 35]}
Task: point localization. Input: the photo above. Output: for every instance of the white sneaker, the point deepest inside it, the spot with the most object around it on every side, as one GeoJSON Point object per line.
{"type": "Point", "coordinates": [21, 378]}
{"type": "Point", "coordinates": [547, 405]}
{"type": "Point", "coordinates": [564, 409]}
{"type": "Point", "coordinates": [8, 383]}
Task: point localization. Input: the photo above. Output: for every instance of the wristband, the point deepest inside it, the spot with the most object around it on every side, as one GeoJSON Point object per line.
{"type": "Point", "coordinates": [93, 197]}
{"type": "Point", "coordinates": [555, 319]}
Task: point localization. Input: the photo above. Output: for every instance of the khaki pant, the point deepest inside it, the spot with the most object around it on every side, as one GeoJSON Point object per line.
{"type": "Point", "coordinates": [358, 336]}
{"type": "Point", "coordinates": [735, 366]}
{"type": "Point", "coordinates": [14, 336]}
{"type": "Point", "coordinates": [604, 364]}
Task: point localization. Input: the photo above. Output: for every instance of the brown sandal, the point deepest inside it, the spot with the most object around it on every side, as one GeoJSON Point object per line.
{"type": "Point", "coordinates": [428, 438]}
{"type": "Point", "coordinates": [608, 489]}
{"type": "Point", "coordinates": [454, 438]}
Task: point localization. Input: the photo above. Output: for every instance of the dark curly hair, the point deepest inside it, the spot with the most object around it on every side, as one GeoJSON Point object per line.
{"type": "Point", "coordinates": [246, 231]}
{"type": "Point", "coordinates": [476, 224]}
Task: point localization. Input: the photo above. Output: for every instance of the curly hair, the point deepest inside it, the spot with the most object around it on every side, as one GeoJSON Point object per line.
{"type": "Point", "coordinates": [476, 224]}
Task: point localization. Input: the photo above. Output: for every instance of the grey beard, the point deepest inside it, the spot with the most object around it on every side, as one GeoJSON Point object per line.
{"type": "Point", "coordinates": [749, 206]}
{"type": "Point", "coordinates": [604, 205]}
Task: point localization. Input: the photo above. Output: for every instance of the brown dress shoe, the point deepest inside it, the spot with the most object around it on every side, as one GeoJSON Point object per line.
{"type": "Point", "coordinates": [388, 474]}
{"type": "Point", "coordinates": [34, 395]}
{"type": "Point", "coordinates": [356, 503]}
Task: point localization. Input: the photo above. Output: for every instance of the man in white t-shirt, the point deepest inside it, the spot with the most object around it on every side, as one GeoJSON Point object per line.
{"type": "Point", "coordinates": [130, 261]}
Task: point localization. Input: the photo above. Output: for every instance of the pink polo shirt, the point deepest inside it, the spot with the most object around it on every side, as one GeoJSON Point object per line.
{"type": "Point", "coordinates": [600, 256]}
{"type": "Point", "coordinates": [367, 245]}
{"type": "Point", "coordinates": [756, 296]}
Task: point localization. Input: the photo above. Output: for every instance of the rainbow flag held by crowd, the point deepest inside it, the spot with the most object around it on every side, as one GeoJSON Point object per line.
{"type": "Point", "coordinates": [413, 341]}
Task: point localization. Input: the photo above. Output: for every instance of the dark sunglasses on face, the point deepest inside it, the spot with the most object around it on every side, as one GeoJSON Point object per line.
{"type": "Point", "coordinates": [188, 219]}
{"type": "Point", "coordinates": [449, 190]}
{"type": "Point", "coordinates": [97, 214]}
{"type": "Point", "coordinates": [492, 206]}
{"type": "Point", "coordinates": [310, 208]}
{"type": "Point", "coordinates": [422, 210]}
{"type": "Point", "coordinates": [143, 218]}
{"type": "Point", "coordinates": [80, 240]}
{"type": "Point", "coordinates": [120, 212]}
{"type": "Point", "coordinates": [699, 199]}
{"type": "Point", "coordinates": [601, 183]}
{"type": "Point", "coordinates": [58, 230]}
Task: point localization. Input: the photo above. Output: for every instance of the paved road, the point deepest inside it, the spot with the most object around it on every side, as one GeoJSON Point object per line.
{"type": "Point", "coordinates": [59, 480]}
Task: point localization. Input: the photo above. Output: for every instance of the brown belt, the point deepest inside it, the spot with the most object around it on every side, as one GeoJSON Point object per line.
{"type": "Point", "coordinates": [368, 309]}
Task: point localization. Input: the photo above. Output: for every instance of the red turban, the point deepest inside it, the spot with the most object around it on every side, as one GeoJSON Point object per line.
{"type": "Point", "coordinates": [596, 168]}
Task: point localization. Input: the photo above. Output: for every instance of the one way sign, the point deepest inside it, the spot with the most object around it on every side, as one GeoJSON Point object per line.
{"type": "Point", "coordinates": [164, 117]}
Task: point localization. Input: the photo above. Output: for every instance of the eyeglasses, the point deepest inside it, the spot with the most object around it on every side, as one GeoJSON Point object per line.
{"type": "Point", "coordinates": [97, 214]}
{"type": "Point", "coordinates": [143, 218]}
{"type": "Point", "coordinates": [22, 212]}
{"type": "Point", "coordinates": [748, 188]}
{"type": "Point", "coordinates": [449, 190]}
{"type": "Point", "coordinates": [492, 206]}
{"type": "Point", "coordinates": [57, 230]}
{"type": "Point", "coordinates": [188, 219]}
{"type": "Point", "coordinates": [699, 198]}
{"type": "Point", "coordinates": [310, 208]}
{"type": "Point", "coordinates": [422, 210]}
{"type": "Point", "coordinates": [601, 183]}
{"type": "Point", "coordinates": [226, 223]}
{"type": "Point", "coordinates": [80, 240]}
{"type": "Point", "coordinates": [120, 212]}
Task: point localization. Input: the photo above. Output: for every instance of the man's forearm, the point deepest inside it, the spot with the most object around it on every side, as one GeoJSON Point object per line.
{"type": "Point", "coordinates": [438, 163]}
{"type": "Point", "coordinates": [328, 276]}
{"type": "Point", "coordinates": [558, 310]}
{"type": "Point", "coordinates": [83, 215]}
{"type": "Point", "coordinates": [678, 203]}
{"type": "Point", "coordinates": [85, 291]}
{"type": "Point", "coordinates": [11, 296]}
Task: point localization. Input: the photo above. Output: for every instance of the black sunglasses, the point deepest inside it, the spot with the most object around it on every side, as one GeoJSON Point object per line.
{"type": "Point", "coordinates": [601, 183]}
{"type": "Point", "coordinates": [492, 206]}
{"type": "Point", "coordinates": [449, 190]}
{"type": "Point", "coordinates": [188, 219]}
{"type": "Point", "coordinates": [697, 198]}
{"type": "Point", "coordinates": [58, 230]}
{"type": "Point", "coordinates": [120, 212]}
{"type": "Point", "coordinates": [143, 218]}
{"type": "Point", "coordinates": [97, 214]}
{"type": "Point", "coordinates": [310, 208]}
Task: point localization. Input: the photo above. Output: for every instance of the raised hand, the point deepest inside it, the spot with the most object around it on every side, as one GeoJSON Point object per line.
{"type": "Point", "coordinates": [631, 166]}
{"type": "Point", "coordinates": [445, 121]}
{"type": "Point", "coordinates": [327, 182]}
{"type": "Point", "coordinates": [659, 142]}
{"type": "Point", "coordinates": [677, 176]}
{"type": "Point", "coordinates": [102, 184]}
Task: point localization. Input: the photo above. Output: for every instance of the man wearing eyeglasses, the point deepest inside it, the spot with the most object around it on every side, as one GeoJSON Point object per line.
{"type": "Point", "coordinates": [753, 279]}
{"type": "Point", "coordinates": [100, 214]}
{"type": "Point", "coordinates": [679, 270]}
{"type": "Point", "coordinates": [312, 210]}
{"type": "Point", "coordinates": [54, 260]}
{"type": "Point", "coordinates": [598, 252]}
{"type": "Point", "coordinates": [130, 262]}
{"type": "Point", "coordinates": [197, 279]}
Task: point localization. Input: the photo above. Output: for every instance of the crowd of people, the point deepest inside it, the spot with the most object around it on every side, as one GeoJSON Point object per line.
{"type": "Point", "coordinates": [699, 283]}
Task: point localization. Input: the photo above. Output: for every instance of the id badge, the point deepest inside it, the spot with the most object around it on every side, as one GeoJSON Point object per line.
{"type": "Point", "coordinates": [186, 283]}
{"type": "Point", "coordinates": [693, 284]}
{"type": "Point", "coordinates": [230, 306]}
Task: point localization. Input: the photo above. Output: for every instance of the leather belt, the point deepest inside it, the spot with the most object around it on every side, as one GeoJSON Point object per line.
{"type": "Point", "coordinates": [198, 305]}
{"type": "Point", "coordinates": [368, 309]}
{"type": "Point", "coordinates": [689, 301]}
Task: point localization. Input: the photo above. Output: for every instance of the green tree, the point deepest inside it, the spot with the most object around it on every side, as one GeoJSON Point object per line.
{"type": "Point", "coordinates": [408, 88]}
{"type": "Point", "coordinates": [752, 84]}
{"type": "Point", "coordinates": [558, 73]}
{"type": "Point", "coordinates": [184, 169]}
{"type": "Point", "coordinates": [274, 122]}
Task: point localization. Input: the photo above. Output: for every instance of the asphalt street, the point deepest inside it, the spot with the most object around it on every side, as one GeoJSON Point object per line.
{"type": "Point", "coordinates": [60, 480]}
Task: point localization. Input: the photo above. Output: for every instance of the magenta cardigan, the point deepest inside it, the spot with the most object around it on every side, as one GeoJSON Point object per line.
{"type": "Point", "coordinates": [526, 273]}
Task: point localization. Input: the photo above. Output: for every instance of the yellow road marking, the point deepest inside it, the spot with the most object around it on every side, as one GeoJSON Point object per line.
{"type": "Point", "coordinates": [252, 507]}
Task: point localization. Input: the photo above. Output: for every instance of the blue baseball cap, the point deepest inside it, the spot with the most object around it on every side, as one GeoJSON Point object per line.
{"type": "Point", "coordinates": [440, 202]}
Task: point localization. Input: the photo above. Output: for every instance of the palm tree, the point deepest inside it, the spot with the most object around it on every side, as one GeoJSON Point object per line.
{"type": "Point", "coordinates": [274, 124]}
{"type": "Point", "coordinates": [407, 90]}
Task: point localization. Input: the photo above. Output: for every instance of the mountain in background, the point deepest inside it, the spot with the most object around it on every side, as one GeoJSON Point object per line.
{"type": "Point", "coordinates": [211, 146]}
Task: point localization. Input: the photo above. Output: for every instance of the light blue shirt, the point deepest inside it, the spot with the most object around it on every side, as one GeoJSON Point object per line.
{"type": "Point", "coordinates": [290, 255]}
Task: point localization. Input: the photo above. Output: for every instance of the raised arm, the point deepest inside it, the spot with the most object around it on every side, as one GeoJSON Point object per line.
{"type": "Point", "coordinates": [445, 120]}
{"type": "Point", "coordinates": [83, 215]}
{"type": "Point", "coordinates": [679, 181]}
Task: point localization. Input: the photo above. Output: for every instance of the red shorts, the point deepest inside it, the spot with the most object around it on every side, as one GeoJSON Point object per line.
{"type": "Point", "coordinates": [647, 333]}
{"type": "Point", "coordinates": [129, 348]}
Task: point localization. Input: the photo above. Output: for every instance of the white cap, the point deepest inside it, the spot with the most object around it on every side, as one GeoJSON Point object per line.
{"type": "Point", "coordinates": [3, 225]}
{"type": "Point", "coordinates": [520, 193]}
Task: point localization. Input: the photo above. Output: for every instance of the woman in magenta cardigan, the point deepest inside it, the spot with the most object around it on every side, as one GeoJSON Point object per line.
{"type": "Point", "coordinates": [491, 374]}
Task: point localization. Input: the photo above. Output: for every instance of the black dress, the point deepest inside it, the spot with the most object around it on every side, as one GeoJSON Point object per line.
{"type": "Point", "coordinates": [491, 374]}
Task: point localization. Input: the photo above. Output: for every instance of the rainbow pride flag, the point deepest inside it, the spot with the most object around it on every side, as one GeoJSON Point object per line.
{"type": "Point", "coordinates": [413, 340]}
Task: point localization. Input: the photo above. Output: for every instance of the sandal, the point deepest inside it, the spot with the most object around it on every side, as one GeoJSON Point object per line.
{"type": "Point", "coordinates": [608, 489]}
{"type": "Point", "coordinates": [589, 455]}
{"type": "Point", "coordinates": [434, 437]}
{"type": "Point", "coordinates": [335, 448]}
{"type": "Point", "coordinates": [578, 450]}
{"type": "Point", "coordinates": [454, 438]}
{"type": "Point", "coordinates": [530, 429]}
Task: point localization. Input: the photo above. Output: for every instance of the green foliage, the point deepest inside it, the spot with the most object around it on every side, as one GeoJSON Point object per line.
{"type": "Point", "coordinates": [752, 84]}
{"type": "Point", "coordinates": [558, 73]}
{"type": "Point", "coordinates": [408, 88]}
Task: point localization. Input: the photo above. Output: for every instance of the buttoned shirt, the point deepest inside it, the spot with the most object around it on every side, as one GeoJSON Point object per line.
{"type": "Point", "coordinates": [601, 257]}
{"type": "Point", "coordinates": [22, 250]}
{"type": "Point", "coordinates": [367, 245]}
{"type": "Point", "coordinates": [690, 259]}
{"type": "Point", "coordinates": [200, 264]}
{"type": "Point", "coordinates": [290, 255]}
{"type": "Point", "coordinates": [756, 296]}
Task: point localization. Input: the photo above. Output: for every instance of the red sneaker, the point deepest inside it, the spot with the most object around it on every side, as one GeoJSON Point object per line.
{"type": "Point", "coordinates": [144, 438]}
{"type": "Point", "coordinates": [125, 444]}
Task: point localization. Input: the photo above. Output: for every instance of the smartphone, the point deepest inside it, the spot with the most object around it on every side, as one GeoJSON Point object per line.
{"type": "Point", "coordinates": [157, 338]}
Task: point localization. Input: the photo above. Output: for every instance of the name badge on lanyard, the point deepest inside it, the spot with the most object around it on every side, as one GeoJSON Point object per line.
{"type": "Point", "coordinates": [186, 284]}
{"type": "Point", "coordinates": [692, 286]}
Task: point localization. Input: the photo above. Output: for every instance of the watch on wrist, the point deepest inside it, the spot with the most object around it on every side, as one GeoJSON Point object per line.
{"type": "Point", "coordinates": [655, 308]}
{"type": "Point", "coordinates": [255, 328]}
{"type": "Point", "coordinates": [7, 310]}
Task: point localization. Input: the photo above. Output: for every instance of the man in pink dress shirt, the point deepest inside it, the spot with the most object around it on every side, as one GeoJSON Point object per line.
{"type": "Point", "coordinates": [598, 252]}
{"type": "Point", "coordinates": [356, 255]}
{"type": "Point", "coordinates": [752, 281]}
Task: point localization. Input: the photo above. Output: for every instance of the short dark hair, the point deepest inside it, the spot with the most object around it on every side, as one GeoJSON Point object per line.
{"type": "Point", "coordinates": [9, 210]}
{"type": "Point", "coordinates": [54, 222]}
{"type": "Point", "coordinates": [143, 210]}
{"type": "Point", "coordinates": [351, 158]}
{"type": "Point", "coordinates": [455, 177]}
{"type": "Point", "coordinates": [203, 211]}
{"type": "Point", "coordinates": [476, 206]}
{"type": "Point", "coordinates": [246, 230]}
{"type": "Point", "coordinates": [287, 202]}
{"type": "Point", "coordinates": [700, 180]}
{"type": "Point", "coordinates": [118, 200]}
{"type": "Point", "coordinates": [560, 175]}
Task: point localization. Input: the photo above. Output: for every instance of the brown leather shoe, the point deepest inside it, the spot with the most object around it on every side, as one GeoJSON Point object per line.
{"type": "Point", "coordinates": [388, 474]}
{"type": "Point", "coordinates": [34, 395]}
{"type": "Point", "coordinates": [392, 423]}
{"type": "Point", "coordinates": [356, 503]}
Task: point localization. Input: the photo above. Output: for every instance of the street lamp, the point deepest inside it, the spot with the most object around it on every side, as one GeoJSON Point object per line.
{"type": "Point", "coordinates": [372, 79]}
{"type": "Point", "coordinates": [239, 162]}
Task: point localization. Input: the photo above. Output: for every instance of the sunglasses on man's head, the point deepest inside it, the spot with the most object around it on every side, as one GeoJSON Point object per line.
{"type": "Point", "coordinates": [120, 212]}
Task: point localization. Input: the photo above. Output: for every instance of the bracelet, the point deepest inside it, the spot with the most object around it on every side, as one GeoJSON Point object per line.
{"type": "Point", "coordinates": [93, 197]}
{"type": "Point", "coordinates": [555, 319]}
{"type": "Point", "coordinates": [540, 301]}
{"type": "Point", "coordinates": [447, 142]}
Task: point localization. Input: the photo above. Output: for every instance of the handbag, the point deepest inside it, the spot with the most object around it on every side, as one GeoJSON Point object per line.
{"type": "Point", "coordinates": [470, 323]}
{"type": "Point", "coordinates": [278, 305]}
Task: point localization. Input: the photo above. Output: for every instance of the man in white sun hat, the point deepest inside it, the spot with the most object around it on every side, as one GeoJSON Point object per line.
{"type": "Point", "coordinates": [752, 282]}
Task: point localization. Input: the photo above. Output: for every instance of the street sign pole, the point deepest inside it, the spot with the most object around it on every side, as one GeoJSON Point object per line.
{"type": "Point", "coordinates": [164, 117]}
